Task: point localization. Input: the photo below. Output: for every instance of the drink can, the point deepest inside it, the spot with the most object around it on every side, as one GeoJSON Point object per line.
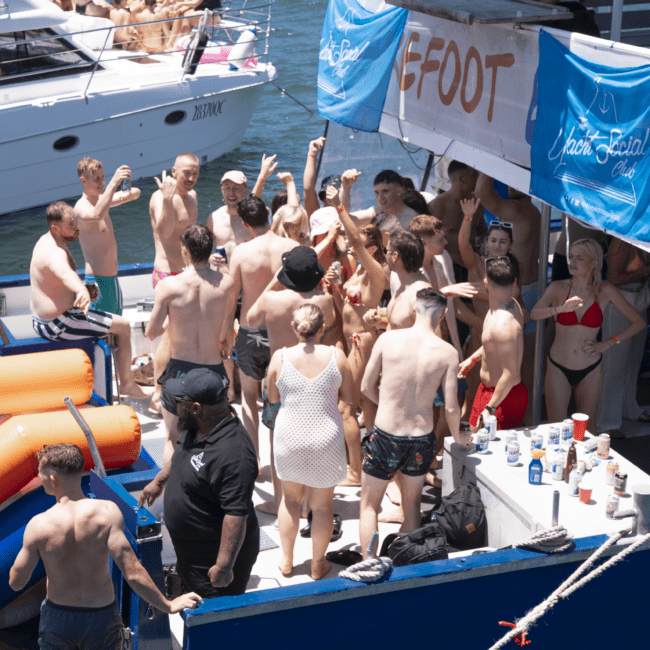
{"type": "Point", "coordinates": [536, 441]}
{"type": "Point", "coordinates": [337, 268]}
{"type": "Point", "coordinates": [222, 251]}
{"type": "Point", "coordinates": [482, 440]}
{"type": "Point", "coordinates": [553, 436]}
{"type": "Point", "coordinates": [491, 426]}
{"type": "Point", "coordinates": [620, 483]}
{"type": "Point", "coordinates": [566, 430]}
{"type": "Point", "coordinates": [611, 471]}
{"type": "Point", "coordinates": [511, 436]}
{"type": "Point", "coordinates": [513, 453]}
{"type": "Point", "coordinates": [126, 185]}
{"type": "Point", "coordinates": [574, 482]}
{"type": "Point", "coordinates": [603, 446]}
{"type": "Point", "coordinates": [611, 506]}
{"type": "Point", "coordinates": [558, 467]}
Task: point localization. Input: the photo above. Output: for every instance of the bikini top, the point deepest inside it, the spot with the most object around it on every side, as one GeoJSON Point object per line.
{"type": "Point", "coordinates": [593, 317]}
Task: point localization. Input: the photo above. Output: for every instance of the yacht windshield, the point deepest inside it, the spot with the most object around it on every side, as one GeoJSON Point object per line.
{"type": "Point", "coordinates": [37, 54]}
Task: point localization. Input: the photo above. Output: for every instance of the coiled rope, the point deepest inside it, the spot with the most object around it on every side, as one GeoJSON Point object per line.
{"type": "Point", "coordinates": [568, 586]}
{"type": "Point", "coordinates": [553, 540]}
{"type": "Point", "coordinates": [369, 570]}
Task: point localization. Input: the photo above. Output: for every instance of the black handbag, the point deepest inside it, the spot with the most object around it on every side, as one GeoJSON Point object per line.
{"type": "Point", "coordinates": [424, 544]}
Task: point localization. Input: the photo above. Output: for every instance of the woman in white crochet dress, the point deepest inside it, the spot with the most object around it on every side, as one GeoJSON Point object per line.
{"type": "Point", "coordinates": [308, 379]}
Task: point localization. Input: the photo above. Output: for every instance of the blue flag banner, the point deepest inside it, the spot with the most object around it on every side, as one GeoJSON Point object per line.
{"type": "Point", "coordinates": [357, 50]}
{"type": "Point", "coordinates": [590, 155]}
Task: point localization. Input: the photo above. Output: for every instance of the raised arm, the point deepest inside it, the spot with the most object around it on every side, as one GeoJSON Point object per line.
{"type": "Point", "coordinates": [309, 196]}
{"type": "Point", "coordinates": [348, 179]}
{"type": "Point", "coordinates": [136, 575]}
{"type": "Point", "coordinates": [470, 258]}
{"type": "Point", "coordinates": [161, 206]}
{"type": "Point", "coordinates": [372, 266]}
{"type": "Point", "coordinates": [266, 169]}
{"type": "Point", "coordinates": [292, 194]}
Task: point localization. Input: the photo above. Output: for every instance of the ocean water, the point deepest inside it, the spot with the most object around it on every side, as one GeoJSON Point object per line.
{"type": "Point", "coordinates": [279, 126]}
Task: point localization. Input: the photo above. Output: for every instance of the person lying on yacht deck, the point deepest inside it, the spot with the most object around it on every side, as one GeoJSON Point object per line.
{"type": "Point", "coordinates": [74, 538]}
{"type": "Point", "coordinates": [60, 302]}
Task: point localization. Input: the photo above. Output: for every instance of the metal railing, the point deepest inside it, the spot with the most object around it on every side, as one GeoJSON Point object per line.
{"type": "Point", "coordinates": [20, 60]}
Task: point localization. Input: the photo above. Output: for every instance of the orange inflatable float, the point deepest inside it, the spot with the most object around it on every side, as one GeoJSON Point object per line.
{"type": "Point", "coordinates": [40, 381]}
{"type": "Point", "coordinates": [116, 430]}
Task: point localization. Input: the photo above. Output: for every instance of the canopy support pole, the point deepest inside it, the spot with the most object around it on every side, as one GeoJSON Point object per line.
{"type": "Point", "coordinates": [542, 275]}
{"type": "Point", "coordinates": [427, 172]}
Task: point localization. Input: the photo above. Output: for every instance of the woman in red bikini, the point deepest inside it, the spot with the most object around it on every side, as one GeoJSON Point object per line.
{"type": "Point", "coordinates": [577, 305]}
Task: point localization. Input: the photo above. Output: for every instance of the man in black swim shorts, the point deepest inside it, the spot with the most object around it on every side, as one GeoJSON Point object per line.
{"type": "Point", "coordinates": [411, 363]}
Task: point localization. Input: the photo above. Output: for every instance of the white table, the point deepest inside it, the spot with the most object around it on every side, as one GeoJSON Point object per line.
{"type": "Point", "coordinates": [516, 509]}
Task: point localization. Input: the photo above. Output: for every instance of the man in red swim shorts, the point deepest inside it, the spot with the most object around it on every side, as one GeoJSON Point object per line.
{"type": "Point", "coordinates": [501, 393]}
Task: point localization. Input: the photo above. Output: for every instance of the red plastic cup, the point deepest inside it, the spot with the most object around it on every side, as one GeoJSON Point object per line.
{"type": "Point", "coordinates": [585, 494]}
{"type": "Point", "coordinates": [579, 425]}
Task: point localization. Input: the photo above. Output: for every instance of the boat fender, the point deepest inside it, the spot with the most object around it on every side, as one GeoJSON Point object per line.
{"type": "Point", "coordinates": [243, 50]}
{"type": "Point", "coordinates": [194, 52]}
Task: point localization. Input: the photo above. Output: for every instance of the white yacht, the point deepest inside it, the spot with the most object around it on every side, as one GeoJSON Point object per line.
{"type": "Point", "coordinates": [64, 96]}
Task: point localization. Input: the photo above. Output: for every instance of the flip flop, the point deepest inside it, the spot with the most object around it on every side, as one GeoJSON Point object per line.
{"type": "Point", "coordinates": [305, 531]}
{"type": "Point", "coordinates": [345, 557]}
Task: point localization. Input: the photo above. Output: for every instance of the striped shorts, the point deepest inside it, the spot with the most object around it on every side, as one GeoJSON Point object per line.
{"type": "Point", "coordinates": [73, 325]}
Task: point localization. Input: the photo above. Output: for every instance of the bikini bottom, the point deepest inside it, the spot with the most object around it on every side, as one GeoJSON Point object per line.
{"type": "Point", "coordinates": [574, 377]}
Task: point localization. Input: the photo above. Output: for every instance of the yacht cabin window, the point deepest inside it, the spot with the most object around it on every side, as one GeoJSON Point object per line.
{"type": "Point", "coordinates": [39, 54]}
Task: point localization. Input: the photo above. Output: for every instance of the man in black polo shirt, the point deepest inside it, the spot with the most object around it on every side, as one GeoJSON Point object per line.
{"type": "Point", "coordinates": [209, 486]}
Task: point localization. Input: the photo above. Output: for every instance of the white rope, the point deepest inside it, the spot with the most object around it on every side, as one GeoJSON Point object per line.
{"type": "Point", "coordinates": [369, 570]}
{"type": "Point", "coordinates": [553, 540]}
{"type": "Point", "coordinates": [524, 624]}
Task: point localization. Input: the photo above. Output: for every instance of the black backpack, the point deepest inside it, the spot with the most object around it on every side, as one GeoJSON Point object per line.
{"type": "Point", "coordinates": [422, 545]}
{"type": "Point", "coordinates": [462, 516]}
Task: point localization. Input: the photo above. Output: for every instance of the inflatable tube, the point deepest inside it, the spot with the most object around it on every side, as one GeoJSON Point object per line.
{"type": "Point", "coordinates": [215, 52]}
{"type": "Point", "coordinates": [40, 381]}
{"type": "Point", "coordinates": [116, 430]}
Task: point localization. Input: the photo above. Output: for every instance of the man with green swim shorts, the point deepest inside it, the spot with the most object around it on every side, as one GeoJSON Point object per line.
{"type": "Point", "coordinates": [96, 234]}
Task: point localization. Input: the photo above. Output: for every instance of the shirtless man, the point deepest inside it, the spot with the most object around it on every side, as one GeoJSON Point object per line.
{"type": "Point", "coordinates": [446, 207]}
{"type": "Point", "coordinates": [388, 190]}
{"type": "Point", "coordinates": [195, 302]}
{"type": "Point", "coordinates": [410, 364]}
{"type": "Point", "coordinates": [501, 392]}
{"type": "Point", "coordinates": [60, 302]}
{"type": "Point", "coordinates": [74, 538]}
{"type": "Point", "coordinates": [154, 38]}
{"type": "Point", "coordinates": [404, 257]}
{"type": "Point", "coordinates": [298, 281]}
{"type": "Point", "coordinates": [96, 229]}
{"type": "Point", "coordinates": [252, 267]}
{"type": "Point", "coordinates": [172, 208]}
{"type": "Point", "coordinates": [229, 231]}
{"type": "Point", "coordinates": [525, 218]}
{"type": "Point", "coordinates": [120, 15]}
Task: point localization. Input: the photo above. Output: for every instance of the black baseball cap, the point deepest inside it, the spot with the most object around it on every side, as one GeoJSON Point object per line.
{"type": "Point", "coordinates": [201, 385]}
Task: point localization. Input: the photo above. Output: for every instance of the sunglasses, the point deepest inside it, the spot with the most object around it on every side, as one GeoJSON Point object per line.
{"type": "Point", "coordinates": [503, 225]}
{"type": "Point", "coordinates": [493, 259]}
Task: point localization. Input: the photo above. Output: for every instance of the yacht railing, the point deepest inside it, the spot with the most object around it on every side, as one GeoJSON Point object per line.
{"type": "Point", "coordinates": [224, 27]}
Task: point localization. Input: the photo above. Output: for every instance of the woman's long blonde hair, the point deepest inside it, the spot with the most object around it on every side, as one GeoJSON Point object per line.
{"type": "Point", "coordinates": [292, 222]}
{"type": "Point", "coordinates": [595, 252]}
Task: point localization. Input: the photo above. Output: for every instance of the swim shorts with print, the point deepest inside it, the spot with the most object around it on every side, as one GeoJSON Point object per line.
{"type": "Point", "coordinates": [90, 628]}
{"type": "Point", "coordinates": [73, 325]}
{"type": "Point", "coordinates": [110, 293]}
{"type": "Point", "coordinates": [386, 454]}
{"type": "Point", "coordinates": [177, 369]}
{"type": "Point", "coordinates": [510, 413]}
{"type": "Point", "coordinates": [157, 276]}
{"type": "Point", "coordinates": [253, 351]}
